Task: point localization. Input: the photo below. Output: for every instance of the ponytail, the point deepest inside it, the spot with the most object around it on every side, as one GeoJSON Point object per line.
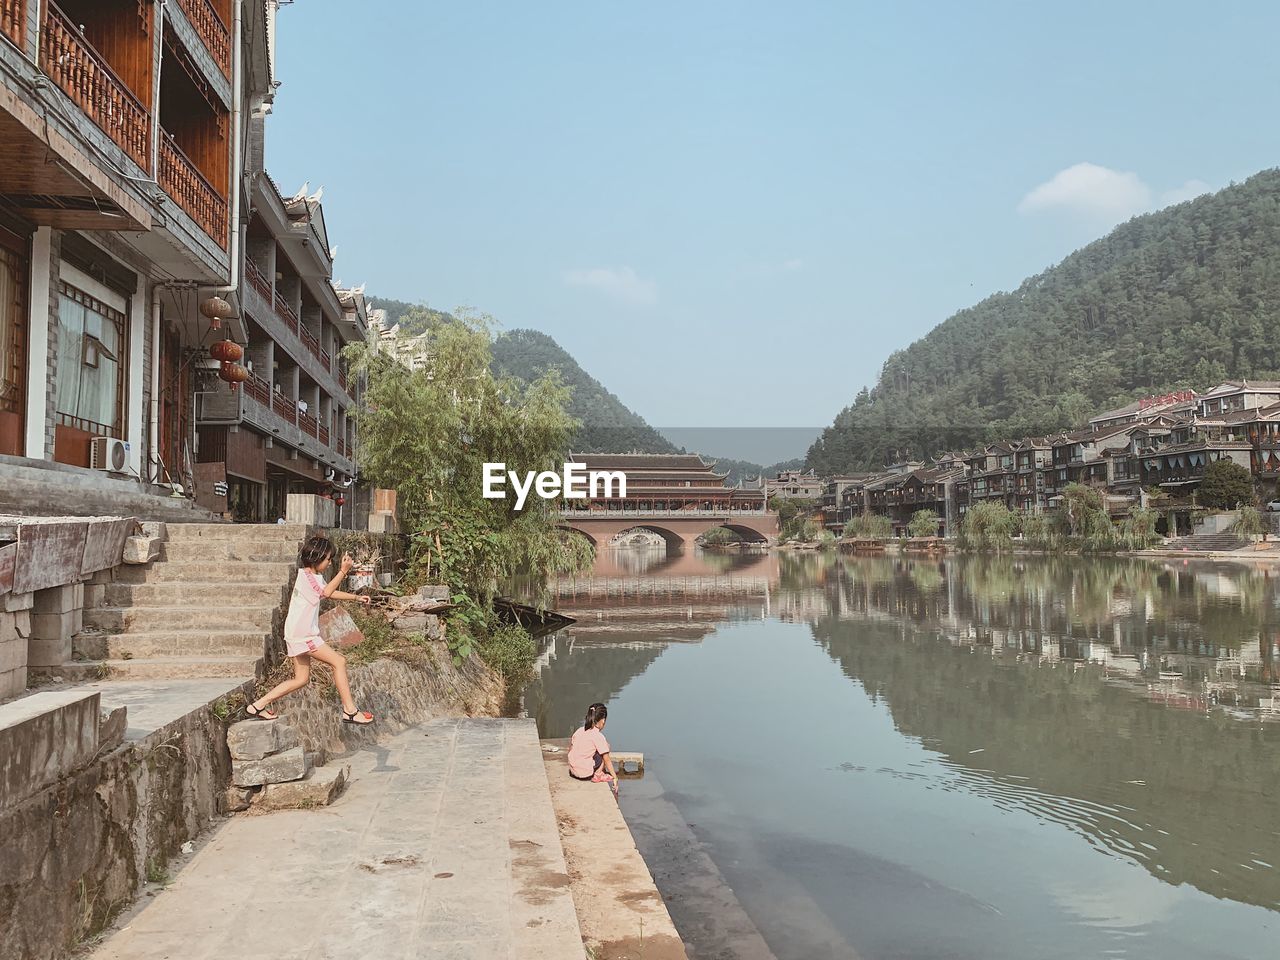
{"type": "Point", "coordinates": [595, 713]}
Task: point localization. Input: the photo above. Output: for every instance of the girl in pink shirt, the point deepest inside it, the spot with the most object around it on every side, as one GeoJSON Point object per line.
{"type": "Point", "coordinates": [302, 631]}
{"type": "Point", "coordinates": [589, 751]}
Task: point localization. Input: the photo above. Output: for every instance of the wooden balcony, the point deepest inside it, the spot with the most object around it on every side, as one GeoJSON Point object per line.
{"type": "Point", "coordinates": [309, 341]}
{"type": "Point", "coordinates": [327, 360]}
{"type": "Point", "coordinates": [191, 191]}
{"type": "Point", "coordinates": [342, 446]}
{"type": "Point", "coordinates": [257, 388]}
{"type": "Point", "coordinates": [308, 424]}
{"type": "Point", "coordinates": [285, 407]}
{"type": "Point", "coordinates": [93, 86]}
{"type": "Point", "coordinates": [285, 313]}
{"type": "Point", "coordinates": [13, 21]}
{"type": "Point", "coordinates": [213, 32]}
{"type": "Point", "coordinates": [258, 281]}
{"type": "Point", "coordinates": [324, 436]}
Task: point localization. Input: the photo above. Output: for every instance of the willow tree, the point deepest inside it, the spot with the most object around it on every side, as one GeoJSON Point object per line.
{"type": "Point", "coordinates": [427, 433]}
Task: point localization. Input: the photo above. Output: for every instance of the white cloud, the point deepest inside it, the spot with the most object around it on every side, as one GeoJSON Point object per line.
{"type": "Point", "coordinates": [1093, 192]}
{"type": "Point", "coordinates": [620, 283]}
{"type": "Point", "coordinates": [1188, 191]}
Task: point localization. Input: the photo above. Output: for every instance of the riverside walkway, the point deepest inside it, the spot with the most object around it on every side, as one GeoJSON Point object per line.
{"type": "Point", "coordinates": [445, 845]}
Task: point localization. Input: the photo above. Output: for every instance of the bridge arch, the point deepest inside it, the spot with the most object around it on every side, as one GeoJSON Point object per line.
{"type": "Point", "coordinates": [748, 534]}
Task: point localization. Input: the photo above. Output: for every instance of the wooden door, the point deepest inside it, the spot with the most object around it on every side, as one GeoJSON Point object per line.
{"type": "Point", "coordinates": [175, 404]}
{"type": "Point", "coordinates": [15, 271]}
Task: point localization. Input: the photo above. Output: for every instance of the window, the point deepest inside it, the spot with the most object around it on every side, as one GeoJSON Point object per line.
{"type": "Point", "coordinates": [91, 363]}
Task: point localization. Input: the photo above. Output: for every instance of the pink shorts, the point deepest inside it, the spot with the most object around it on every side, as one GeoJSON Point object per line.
{"type": "Point", "coordinates": [297, 648]}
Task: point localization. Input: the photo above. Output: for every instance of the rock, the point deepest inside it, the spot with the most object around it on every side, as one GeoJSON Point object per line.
{"type": "Point", "coordinates": [155, 529]}
{"type": "Point", "coordinates": [338, 629]}
{"type": "Point", "coordinates": [18, 601]}
{"type": "Point", "coordinates": [435, 591]}
{"type": "Point", "coordinates": [255, 739]}
{"type": "Point", "coordinates": [139, 550]}
{"type": "Point", "coordinates": [435, 629]}
{"type": "Point", "coordinates": [318, 758]}
{"type": "Point", "coordinates": [236, 799]}
{"type": "Point", "coordinates": [319, 788]}
{"type": "Point", "coordinates": [277, 768]}
{"type": "Point", "coordinates": [112, 728]}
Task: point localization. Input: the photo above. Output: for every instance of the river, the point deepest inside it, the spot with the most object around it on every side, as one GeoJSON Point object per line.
{"type": "Point", "coordinates": [972, 757]}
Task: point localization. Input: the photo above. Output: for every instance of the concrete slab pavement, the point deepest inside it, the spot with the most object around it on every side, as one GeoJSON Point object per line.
{"type": "Point", "coordinates": [444, 846]}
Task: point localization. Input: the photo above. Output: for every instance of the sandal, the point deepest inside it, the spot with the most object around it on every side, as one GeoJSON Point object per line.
{"type": "Point", "coordinates": [259, 713]}
{"type": "Point", "coordinates": [351, 717]}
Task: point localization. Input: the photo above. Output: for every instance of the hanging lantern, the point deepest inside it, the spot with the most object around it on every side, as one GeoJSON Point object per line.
{"type": "Point", "coordinates": [228, 351]}
{"type": "Point", "coordinates": [217, 310]}
{"type": "Point", "coordinates": [233, 373]}
{"type": "Point", "coordinates": [339, 500]}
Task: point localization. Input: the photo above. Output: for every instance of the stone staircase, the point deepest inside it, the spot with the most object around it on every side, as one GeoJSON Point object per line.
{"type": "Point", "coordinates": [1209, 543]}
{"type": "Point", "coordinates": [207, 608]}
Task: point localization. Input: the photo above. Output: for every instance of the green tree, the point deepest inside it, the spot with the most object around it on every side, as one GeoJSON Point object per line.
{"type": "Point", "coordinates": [1226, 485]}
{"type": "Point", "coordinates": [1138, 531]}
{"type": "Point", "coordinates": [869, 526]}
{"type": "Point", "coordinates": [1037, 531]}
{"type": "Point", "coordinates": [1251, 523]}
{"type": "Point", "coordinates": [428, 433]}
{"type": "Point", "coordinates": [924, 523]}
{"type": "Point", "coordinates": [987, 526]}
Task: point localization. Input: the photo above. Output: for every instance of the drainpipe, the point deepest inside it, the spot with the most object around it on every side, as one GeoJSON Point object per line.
{"type": "Point", "coordinates": [153, 461]}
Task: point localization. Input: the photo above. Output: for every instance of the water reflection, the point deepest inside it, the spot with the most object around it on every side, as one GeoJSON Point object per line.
{"type": "Point", "coordinates": [1127, 704]}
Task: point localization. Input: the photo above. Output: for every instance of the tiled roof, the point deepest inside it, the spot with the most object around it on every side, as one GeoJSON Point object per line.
{"type": "Point", "coordinates": [642, 461]}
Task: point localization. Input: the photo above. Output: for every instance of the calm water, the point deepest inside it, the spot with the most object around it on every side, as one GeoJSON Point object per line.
{"type": "Point", "coordinates": [969, 758]}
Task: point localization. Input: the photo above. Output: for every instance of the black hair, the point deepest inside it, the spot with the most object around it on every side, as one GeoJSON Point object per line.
{"type": "Point", "coordinates": [595, 713]}
{"type": "Point", "coordinates": [314, 551]}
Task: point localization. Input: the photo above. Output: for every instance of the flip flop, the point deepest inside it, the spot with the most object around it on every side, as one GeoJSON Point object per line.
{"type": "Point", "coordinates": [351, 717]}
{"type": "Point", "coordinates": [259, 713]}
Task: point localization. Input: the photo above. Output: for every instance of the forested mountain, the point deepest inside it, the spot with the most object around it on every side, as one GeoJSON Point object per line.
{"type": "Point", "coordinates": [1184, 297]}
{"type": "Point", "coordinates": [608, 426]}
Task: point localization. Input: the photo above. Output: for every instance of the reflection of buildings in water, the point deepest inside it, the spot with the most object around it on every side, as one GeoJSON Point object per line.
{"type": "Point", "coordinates": [1176, 634]}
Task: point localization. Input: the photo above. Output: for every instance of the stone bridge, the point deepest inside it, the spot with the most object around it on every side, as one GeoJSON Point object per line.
{"type": "Point", "coordinates": [679, 528]}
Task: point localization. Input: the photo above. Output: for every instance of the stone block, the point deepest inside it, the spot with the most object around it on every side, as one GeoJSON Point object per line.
{"type": "Point", "coordinates": [13, 683]}
{"type": "Point", "coordinates": [435, 591]}
{"type": "Point", "coordinates": [18, 601]}
{"type": "Point", "coordinates": [112, 728]}
{"type": "Point", "coordinates": [13, 654]}
{"type": "Point", "coordinates": [276, 768]}
{"type": "Point", "coordinates": [155, 529]}
{"type": "Point", "coordinates": [236, 799]}
{"type": "Point", "coordinates": [56, 626]}
{"type": "Point", "coordinates": [103, 577]}
{"type": "Point", "coordinates": [43, 738]}
{"type": "Point", "coordinates": [309, 510]}
{"type": "Point", "coordinates": [338, 629]}
{"type": "Point", "coordinates": [255, 739]}
{"type": "Point", "coordinates": [94, 594]}
{"type": "Point", "coordinates": [58, 599]}
{"type": "Point", "coordinates": [138, 550]}
{"type": "Point", "coordinates": [48, 651]}
{"type": "Point", "coordinates": [319, 788]}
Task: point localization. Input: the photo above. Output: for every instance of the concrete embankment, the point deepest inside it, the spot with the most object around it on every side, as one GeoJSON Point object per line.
{"type": "Point", "coordinates": [621, 912]}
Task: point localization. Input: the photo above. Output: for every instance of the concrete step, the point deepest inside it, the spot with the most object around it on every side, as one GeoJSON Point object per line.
{"type": "Point", "coordinates": [238, 532]}
{"type": "Point", "coordinates": [173, 667]}
{"type": "Point", "coordinates": [199, 550]}
{"type": "Point", "coordinates": [179, 593]}
{"type": "Point", "coordinates": [173, 643]}
{"type": "Point", "coordinates": [153, 619]}
{"type": "Point", "coordinates": [195, 571]}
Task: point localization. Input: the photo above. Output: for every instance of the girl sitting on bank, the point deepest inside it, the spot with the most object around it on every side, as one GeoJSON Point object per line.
{"type": "Point", "coordinates": [302, 631]}
{"type": "Point", "coordinates": [589, 751]}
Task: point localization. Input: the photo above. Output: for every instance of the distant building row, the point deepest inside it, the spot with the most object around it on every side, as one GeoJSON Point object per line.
{"type": "Point", "coordinates": [1161, 443]}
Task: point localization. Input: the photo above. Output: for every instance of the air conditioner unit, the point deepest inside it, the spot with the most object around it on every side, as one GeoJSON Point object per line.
{"type": "Point", "coordinates": [108, 453]}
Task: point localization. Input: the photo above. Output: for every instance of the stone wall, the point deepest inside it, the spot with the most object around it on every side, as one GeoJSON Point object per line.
{"type": "Point", "coordinates": [77, 851]}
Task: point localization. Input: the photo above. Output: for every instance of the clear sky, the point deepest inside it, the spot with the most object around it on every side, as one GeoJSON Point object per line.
{"type": "Point", "coordinates": [730, 211]}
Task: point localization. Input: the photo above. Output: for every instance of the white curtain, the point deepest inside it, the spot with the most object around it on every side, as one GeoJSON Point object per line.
{"type": "Point", "coordinates": [90, 351]}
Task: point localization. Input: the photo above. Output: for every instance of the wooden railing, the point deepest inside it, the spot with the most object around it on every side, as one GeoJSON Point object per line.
{"type": "Point", "coordinates": [307, 424]}
{"type": "Point", "coordinates": [326, 360]}
{"type": "Point", "coordinates": [257, 388]}
{"type": "Point", "coordinates": [93, 86]}
{"type": "Point", "coordinates": [324, 436]}
{"type": "Point", "coordinates": [285, 407]}
{"type": "Point", "coordinates": [342, 377]}
{"type": "Point", "coordinates": [13, 21]}
{"type": "Point", "coordinates": [342, 446]}
{"type": "Point", "coordinates": [285, 312]}
{"type": "Point", "coordinates": [257, 280]}
{"type": "Point", "coordinates": [213, 32]}
{"type": "Point", "coordinates": [309, 341]}
{"type": "Point", "coordinates": [193, 193]}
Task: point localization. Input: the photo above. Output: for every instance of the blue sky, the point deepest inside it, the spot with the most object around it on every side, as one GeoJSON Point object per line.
{"type": "Point", "coordinates": [731, 213]}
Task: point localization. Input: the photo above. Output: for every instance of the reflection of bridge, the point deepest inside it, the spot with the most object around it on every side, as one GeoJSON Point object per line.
{"type": "Point", "coordinates": [678, 527]}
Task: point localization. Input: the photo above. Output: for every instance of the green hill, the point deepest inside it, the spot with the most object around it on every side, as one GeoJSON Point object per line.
{"type": "Point", "coordinates": [608, 425]}
{"type": "Point", "coordinates": [1184, 297]}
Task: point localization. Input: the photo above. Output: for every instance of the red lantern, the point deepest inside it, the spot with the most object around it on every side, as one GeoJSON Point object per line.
{"type": "Point", "coordinates": [233, 373]}
{"type": "Point", "coordinates": [339, 500]}
{"type": "Point", "coordinates": [228, 351]}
